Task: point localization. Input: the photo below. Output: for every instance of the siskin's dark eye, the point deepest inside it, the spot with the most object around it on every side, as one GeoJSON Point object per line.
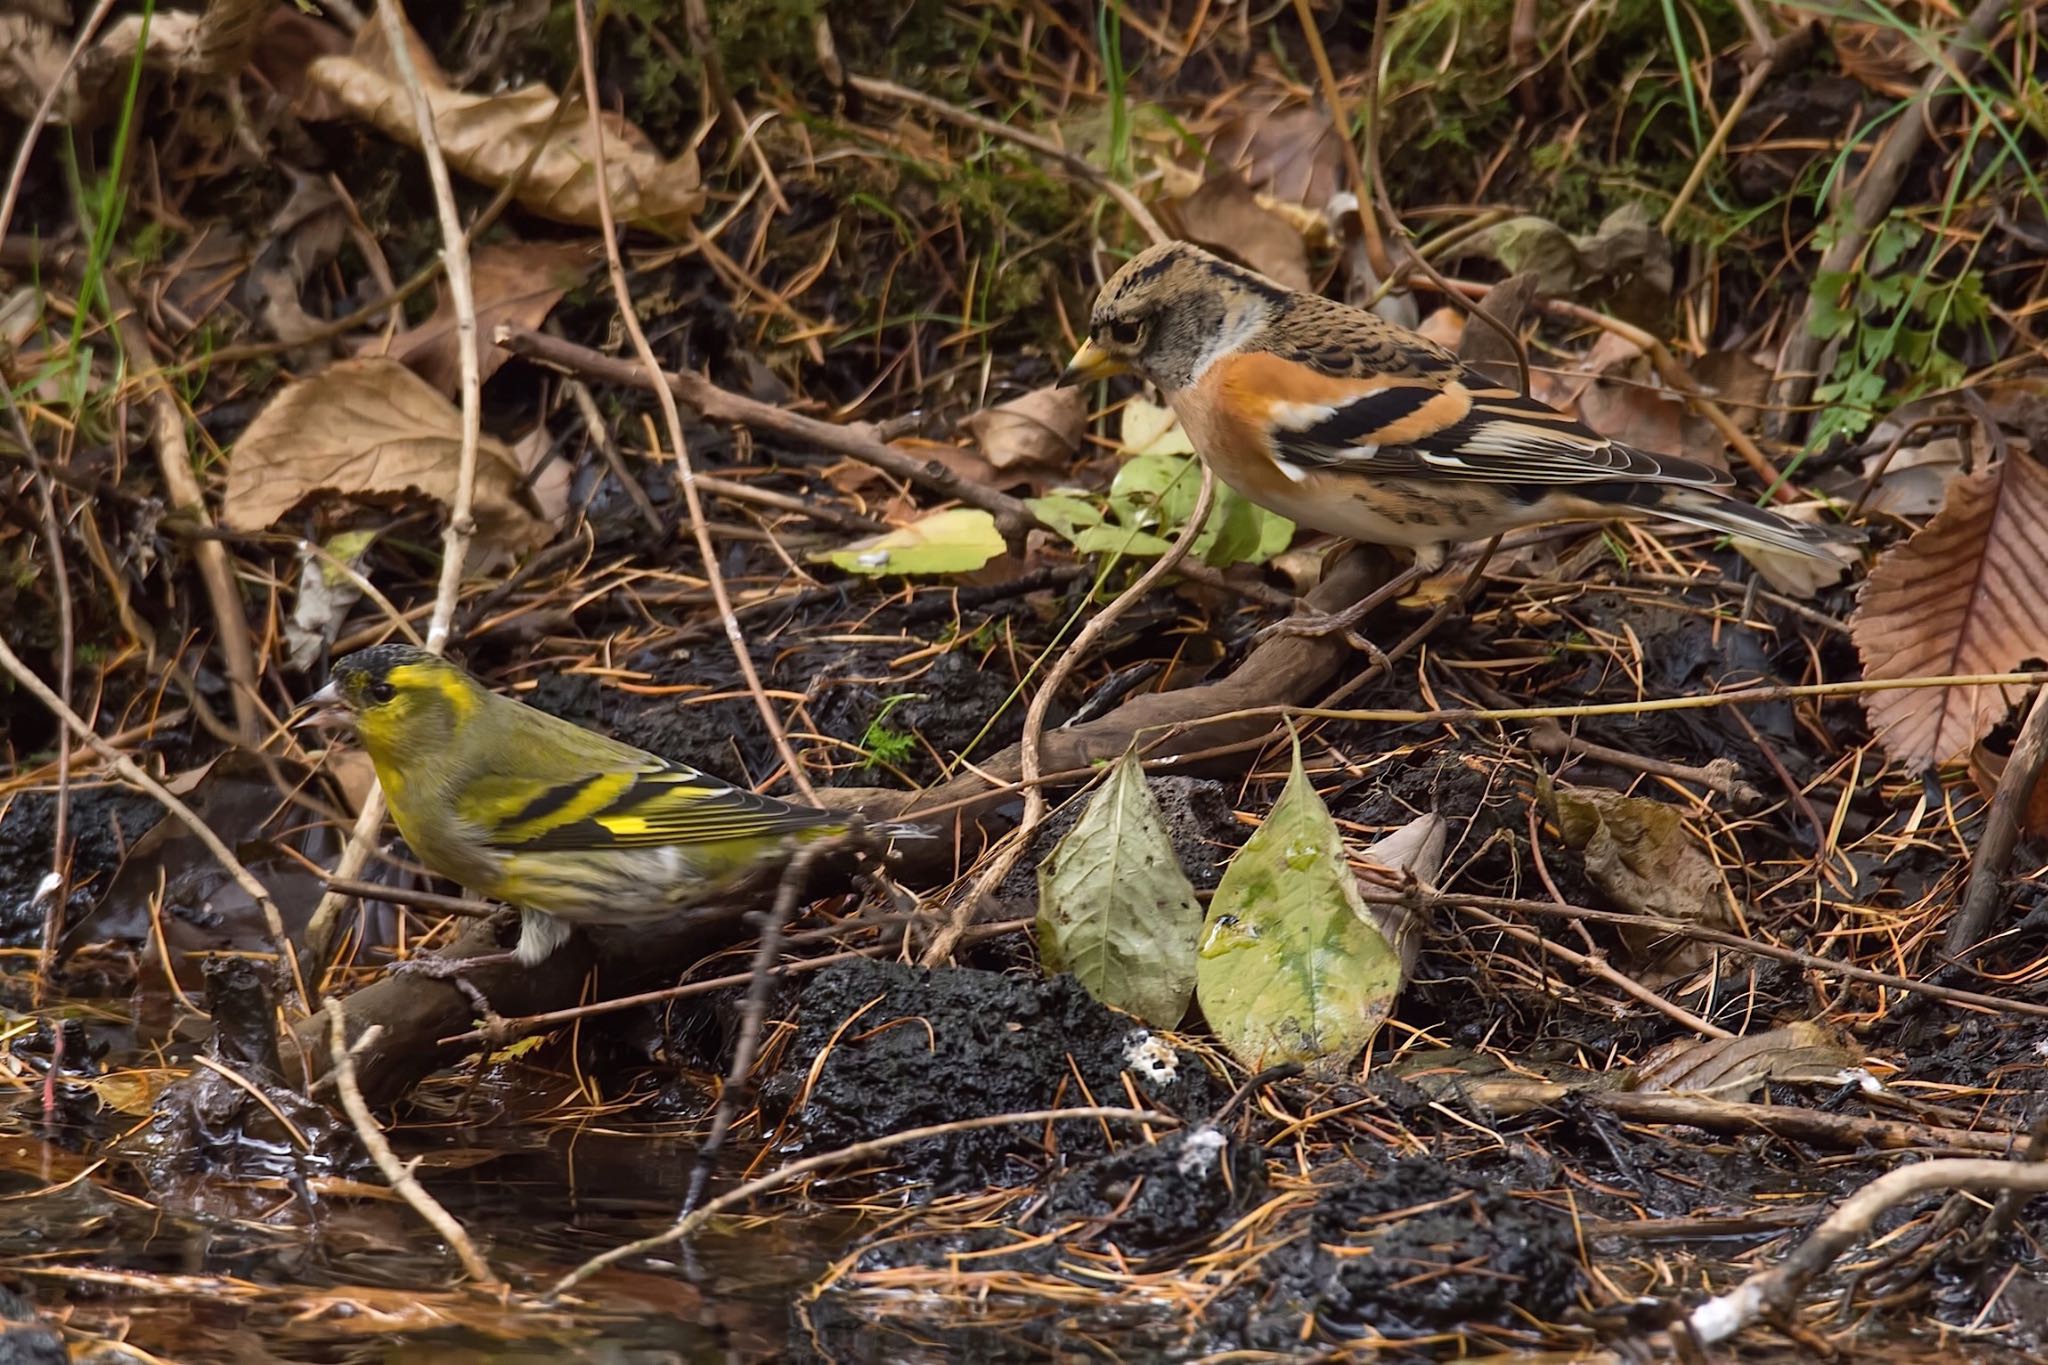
{"type": "Point", "coordinates": [1124, 333]}
{"type": "Point", "coordinates": [381, 691]}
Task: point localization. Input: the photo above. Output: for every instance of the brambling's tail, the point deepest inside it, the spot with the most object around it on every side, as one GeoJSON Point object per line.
{"type": "Point", "coordinates": [1713, 512]}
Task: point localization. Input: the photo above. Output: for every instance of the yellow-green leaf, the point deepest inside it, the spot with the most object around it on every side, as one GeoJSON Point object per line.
{"type": "Point", "coordinates": [957, 541]}
{"type": "Point", "coordinates": [1291, 969]}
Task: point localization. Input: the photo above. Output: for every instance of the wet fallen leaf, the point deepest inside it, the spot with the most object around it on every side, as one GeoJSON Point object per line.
{"type": "Point", "coordinates": [528, 137]}
{"type": "Point", "coordinates": [1738, 1068]}
{"type": "Point", "coordinates": [959, 540]}
{"type": "Point", "coordinates": [1291, 967]}
{"type": "Point", "coordinates": [515, 283]}
{"type": "Point", "coordinates": [1224, 215]}
{"type": "Point", "coordinates": [1964, 595]}
{"type": "Point", "coordinates": [370, 426]}
{"type": "Point", "coordinates": [1639, 853]}
{"type": "Point", "coordinates": [1115, 908]}
{"type": "Point", "coordinates": [1042, 427]}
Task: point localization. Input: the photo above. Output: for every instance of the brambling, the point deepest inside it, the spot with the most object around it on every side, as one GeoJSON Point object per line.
{"type": "Point", "coordinates": [1349, 424]}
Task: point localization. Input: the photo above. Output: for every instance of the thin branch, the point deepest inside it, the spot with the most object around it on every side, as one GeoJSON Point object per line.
{"type": "Point", "coordinates": [398, 1173]}
{"type": "Point", "coordinates": [1774, 1290]}
{"type": "Point", "coordinates": [455, 536]}
{"type": "Point", "coordinates": [1029, 754]}
{"type": "Point", "coordinates": [1988, 865]}
{"type": "Point", "coordinates": [673, 419]}
{"type": "Point", "coordinates": [1045, 147]}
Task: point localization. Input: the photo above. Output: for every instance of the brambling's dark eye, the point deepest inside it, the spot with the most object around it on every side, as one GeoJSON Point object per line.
{"type": "Point", "coordinates": [382, 691]}
{"type": "Point", "coordinates": [1124, 333]}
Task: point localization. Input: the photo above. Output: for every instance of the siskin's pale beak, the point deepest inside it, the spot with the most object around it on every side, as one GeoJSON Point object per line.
{"type": "Point", "coordinates": [323, 708]}
{"type": "Point", "coordinates": [1090, 363]}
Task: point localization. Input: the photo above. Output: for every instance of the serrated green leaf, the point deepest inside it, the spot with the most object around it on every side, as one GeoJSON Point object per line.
{"type": "Point", "coordinates": [1291, 967]}
{"type": "Point", "coordinates": [960, 540]}
{"type": "Point", "coordinates": [1114, 907]}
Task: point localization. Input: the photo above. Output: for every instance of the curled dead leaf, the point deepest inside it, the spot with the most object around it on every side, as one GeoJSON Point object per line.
{"type": "Point", "coordinates": [370, 426]}
{"type": "Point", "coordinates": [529, 137]}
{"type": "Point", "coordinates": [1639, 853]}
{"type": "Point", "coordinates": [1967, 594]}
{"type": "Point", "coordinates": [1290, 151]}
{"type": "Point", "coordinates": [1042, 427]}
{"type": "Point", "coordinates": [1225, 215]}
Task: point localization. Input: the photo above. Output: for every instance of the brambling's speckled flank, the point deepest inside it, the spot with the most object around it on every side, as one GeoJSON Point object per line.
{"type": "Point", "coordinates": [1349, 424]}
{"type": "Point", "coordinates": [569, 825]}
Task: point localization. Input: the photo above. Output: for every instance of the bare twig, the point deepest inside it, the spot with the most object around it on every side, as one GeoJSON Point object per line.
{"type": "Point", "coordinates": [1045, 147]}
{"type": "Point", "coordinates": [1029, 754]}
{"type": "Point", "coordinates": [2001, 831]}
{"type": "Point", "coordinates": [1596, 966]}
{"type": "Point", "coordinates": [398, 1173]}
{"type": "Point", "coordinates": [174, 459]}
{"type": "Point", "coordinates": [59, 879]}
{"type": "Point", "coordinates": [754, 1012]}
{"type": "Point", "coordinates": [687, 1226]}
{"type": "Point", "coordinates": [1721, 775]}
{"type": "Point", "coordinates": [1460, 901]}
{"type": "Point", "coordinates": [455, 536]}
{"type": "Point", "coordinates": [673, 419]}
{"type": "Point", "coordinates": [1774, 1290]}
{"type": "Point", "coordinates": [718, 405]}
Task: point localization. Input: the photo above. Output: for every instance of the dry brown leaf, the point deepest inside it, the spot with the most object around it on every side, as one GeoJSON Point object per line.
{"type": "Point", "coordinates": [1042, 427]}
{"type": "Point", "coordinates": [370, 426]}
{"type": "Point", "coordinates": [492, 138]}
{"type": "Point", "coordinates": [1967, 594]}
{"type": "Point", "coordinates": [1224, 214]}
{"type": "Point", "coordinates": [1916, 480]}
{"type": "Point", "coordinates": [1292, 154]}
{"type": "Point", "coordinates": [1639, 852]}
{"type": "Point", "coordinates": [515, 283]}
{"type": "Point", "coordinates": [1801, 1053]}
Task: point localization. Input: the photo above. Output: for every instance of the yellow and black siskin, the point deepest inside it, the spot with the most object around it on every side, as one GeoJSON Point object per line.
{"type": "Point", "coordinates": [568, 825]}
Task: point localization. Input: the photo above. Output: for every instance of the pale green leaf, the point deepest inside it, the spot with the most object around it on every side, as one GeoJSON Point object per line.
{"type": "Point", "coordinates": [1065, 513]}
{"type": "Point", "coordinates": [1114, 907]}
{"type": "Point", "coordinates": [1291, 969]}
{"type": "Point", "coordinates": [957, 541]}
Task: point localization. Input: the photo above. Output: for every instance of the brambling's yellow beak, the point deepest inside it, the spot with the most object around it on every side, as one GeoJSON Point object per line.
{"type": "Point", "coordinates": [1090, 363]}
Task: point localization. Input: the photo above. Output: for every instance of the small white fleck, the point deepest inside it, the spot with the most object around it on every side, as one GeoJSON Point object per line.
{"type": "Point", "coordinates": [1151, 1058]}
{"type": "Point", "coordinates": [1292, 471]}
{"type": "Point", "coordinates": [873, 559]}
{"type": "Point", "coordinates": [46, 888]}
{"type": "Point", "coordinates": [1200, 1149]}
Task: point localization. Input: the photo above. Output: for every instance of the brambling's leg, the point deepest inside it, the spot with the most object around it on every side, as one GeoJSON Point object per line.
{"type": "Point", "coordinates": [1345, 623]}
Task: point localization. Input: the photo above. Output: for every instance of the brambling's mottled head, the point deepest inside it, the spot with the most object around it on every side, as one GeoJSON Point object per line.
{"type": "Point", "coordinates": [1168, 313]}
